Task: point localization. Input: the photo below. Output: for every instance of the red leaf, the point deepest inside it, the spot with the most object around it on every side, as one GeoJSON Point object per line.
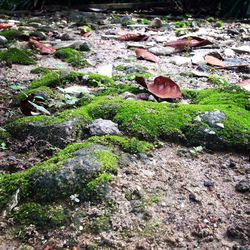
{"type": "Point", "coordinates": [245, 84]}
{"type": "Point", "coordinates": [162, 87]}
{"type": "Point", "coordinates": [212, 60]}
{"type": "Point", "coordinates": [6, 26]}
{"type": "Point", "coordinates": [189, 42]}
{"type": "Point", "coordinates": [133, 37]}
{"type": "Point", "coordinates": [146, 55]}
{"type": "Point", "coordinates": [44, 50]}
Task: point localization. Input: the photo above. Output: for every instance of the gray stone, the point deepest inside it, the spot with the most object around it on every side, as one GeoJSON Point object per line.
{"type": "Point", "coordinates": [180, 60]}
{"type": "Point", "coordinates": [128, 96]}
{"type": "Point", "coordinates": [78, 45]}
{"type": "Point", "coordinates": [156, 23]}
{"type": "Point", "coordinates": [198, 59]}
{"type": "Point", "coordinates": [58, 135]}
{"type": "Point", "coordinates": [66, 37]}
{"type": "Point", "coordinates": [211, 118]}
{"type": "Point", "coordinates": [162, 51]}
{"type": "Point", "coordinates": [3, 40]}
{"type": "Point", "coordinates": [243, 186]}
{"type": "Point", "coordinates": [71, 177]}
{"type": "Point", "coordinates": [103, 127]}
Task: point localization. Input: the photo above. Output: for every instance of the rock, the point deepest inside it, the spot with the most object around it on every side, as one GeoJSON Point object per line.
{"type": "Point", "coordinates": [180, 60]}
{"type": "Point", "coordinates": [77, 90]}
{"type": "Point", "coordinates": [103, 127]}
{"type": "Point", "coordinates": [156, 23]}
{"type": "Point", "coordinates": [39, 34]}
{"type": "Point", "coordinates": [78, 45]}
{"type": "Point", "coordinates": [229, 52]}
{"type": "Point", "coordinates": [125, 20]}
{"type": "Point", "coordinates": [162, 51]}
{"type": "Point", "coordinates": [71, 177]}
{"type": "Point", "coordinates": [242, 49]}
{"type": "Point", "coordinates": [3, 40]}
{"type": "Point", "coordinates": [58, 134]}
{"type": "Point", "coordinates": [66, 37]}
{"type": "Point", "coordinates": [152, 98]}
{"type": "Point", "coordinates": [105, 70]}
{"type": "Point", "coordinates": [243, 186]}
{"type": "Point", "coordinates": [211, 118]}
{"type": "Point", "coordinates": [198, 59]}
{"type": "Point", "coordinates": [128, 96]}
{"type": "Point", "coordinates": [198, 73]}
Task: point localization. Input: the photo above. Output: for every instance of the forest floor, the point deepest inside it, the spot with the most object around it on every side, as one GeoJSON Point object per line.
{"type": "Point", "coordinates": [176, 191]}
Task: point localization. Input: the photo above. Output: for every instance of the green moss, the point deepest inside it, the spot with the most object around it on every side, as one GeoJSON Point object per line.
{"type": "Point", "coordinates": [41, 91]}
{"type": "Point", "coordinates": [54, 79]}
{"type": "Point", "coordinates": [130, 145]}
{"type": "Point", "coordinates": [97, 80]}
{"type": "Point", "coordinates": [40, 70]}
{"type": "Point", "coordinates": [181, 24]}
{"type": "Point", "coordinates": [143, 21]}
{"type": "Point", "coordinates": [231, 95]}
{"type": "Point", "coordinates": [98, 182]}
{"type": "Point", "coordinates": [72, 56]}
{"type": "Point", "coordinates": [12, 34]}
{"type": "Point", "coordinates": [42, 216]}
{"type": "Point", "coordinates": [17, 56]}
{"type": "Point", "coordinates": [108, 160]}
{"type": "Point", "coordinates": [219, 24]}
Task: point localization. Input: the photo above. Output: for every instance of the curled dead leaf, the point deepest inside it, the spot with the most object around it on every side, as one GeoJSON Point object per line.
{"type": "Point", "coordinates": [133, 37]}
{"type": "Point", "coordinates": [162, 87]}
{"type": "Point", "coordinates": [146, 55]}
{"type": "Point", "coordinates": [214, 61]}
{"type": "Point", "coordinates": [245, 84]}
{"type": "Point", "coordinates": [187, 43]}
{"type": "Point", "coordinates": [4, 26]}
{"type": "Point", "coordinates": [44, 50]}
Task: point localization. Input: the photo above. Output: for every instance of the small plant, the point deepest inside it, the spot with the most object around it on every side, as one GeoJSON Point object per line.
{"type": "Point", "coordinates": [218, 80]}
{"type": "Point", "coordinates": [219, 24]}
{"type": "Point", "coordinates": [3, 146]}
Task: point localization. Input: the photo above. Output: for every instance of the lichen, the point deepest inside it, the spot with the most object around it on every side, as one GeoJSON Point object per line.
{"type": "Point", "coordinates": [71, 56]}
{"type": "Point", "coordinates": [17, 56]}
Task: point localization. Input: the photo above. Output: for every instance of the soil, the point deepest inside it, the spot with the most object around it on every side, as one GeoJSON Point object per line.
{"type": "Point", "coordinates": [177, 198]}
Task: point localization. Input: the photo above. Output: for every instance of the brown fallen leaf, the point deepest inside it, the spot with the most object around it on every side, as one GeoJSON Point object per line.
{"type": "Point", "coordinates": [44, 50]}
{"type": "Point", "coordinates": [86, 34]}
{"type": "Point", "coordinates": [133, 37]}
{"type": "Point", "coordinates": [214, 61]}
{"type": "Point", "coordinates": [146, 55]}
{"type": "Point", "coordinates": [187, 43]}
{"type": "Point", "coordinates": [4, 26]}
{"type": "Point", "coordinates": [245, 84]}
{"type": "Point", "coordinates": [162, 87]}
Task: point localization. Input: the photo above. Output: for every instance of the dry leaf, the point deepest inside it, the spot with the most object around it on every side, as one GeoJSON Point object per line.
{"type": "Point", "coordinates": [146, 55]}
{"type": "Point", "coordinates": [186, 43]}
{"type": "Point", "coordinates": [212, 60]}
{"type": "Point", "coordinates": [85, 34]}
{"type": "Point", "coordinates": [133, 37]}
{"type": "Point", "coordinates": [245, 84]}
{"type": "Point", "coordinates": [44, 50]}
{"type": "Point", "coordinates": [162, 87]}
{"type": "Point", "coordinates": [4, 26]}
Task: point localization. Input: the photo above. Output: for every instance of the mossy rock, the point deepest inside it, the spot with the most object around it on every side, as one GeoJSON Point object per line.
{"type": "Point", "coordinates": [43, 91]}
{"type": "Point", "coordinates": [54, 79]}
{"type": "Point", "coordinates": [12, 34]}
{"type": "Point", "coordinates": [17, 56]}
{"type": "Point", "coordinates": [40, 70]}
{"type": "Point", "coordinates": [71, 56]}
{"type": "Point", "coordinates": [97, 80]}
{"type": "Point", "coordinates": [82, 168]}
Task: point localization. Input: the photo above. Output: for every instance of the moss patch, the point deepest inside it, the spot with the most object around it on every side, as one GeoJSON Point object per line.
{"type": "Point", "coordinates": [129, 145]}
{"type": "Point", "coordinates": [42, 216]}
{"type": "Point", "coordinates": [12, 34]}
{"type": "Point", "coordinates": [96, 80]}
{"type": "Point", "coordinates": [71, 56]}
{"type": "Point", "coordinates": [17, 56]}
{"type": "Point", "coordinates": [54, 79]}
